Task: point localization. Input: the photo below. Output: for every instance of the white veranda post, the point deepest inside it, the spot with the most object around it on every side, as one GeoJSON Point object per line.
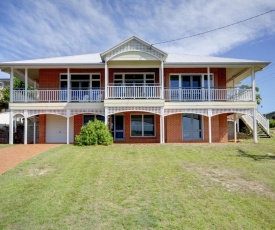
{"type": "Point", "coordinates": [25, 127]}
{"type": "Point", "coordinates": [11, 128]}
{"type": "Point", "coordinates": [68, 126]}
{"type": "Point", "coordinates": [209, 125]}
{"type": "Point", "coordinates": [255, 135]}
{"type": "Point", "coordinates": [106, 80]}
{"type": "Point", "coordinates": [11, 112]}
{"type": "Point", "coordinates": [26, 84]}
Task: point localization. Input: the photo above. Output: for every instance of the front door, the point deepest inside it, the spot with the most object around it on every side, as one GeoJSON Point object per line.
{"type": "Point", "coordinates": [118, 127]}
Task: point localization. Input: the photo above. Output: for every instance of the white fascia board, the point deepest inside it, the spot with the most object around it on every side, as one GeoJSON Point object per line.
{"type": "Point", "coordinates": [128, 40]}
{"type": "Point", "coordinates": [219, 64]}
{"type": "Point", "coordinates": [48, 65]}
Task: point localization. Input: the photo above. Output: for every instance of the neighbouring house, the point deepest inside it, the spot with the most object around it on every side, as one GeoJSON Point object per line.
{"type": "Point", "coordinates": [142, 93]}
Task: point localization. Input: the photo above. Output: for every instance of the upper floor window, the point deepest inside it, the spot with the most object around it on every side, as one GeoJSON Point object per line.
{"type": "Point", "coordinates": [80, 81]}
{"type": "Point", "coordinates": [134, 79]}
{"type": "Point", "coordinates": [190, 81]}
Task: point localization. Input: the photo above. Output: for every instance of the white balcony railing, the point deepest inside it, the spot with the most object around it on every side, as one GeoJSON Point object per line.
{"type": "Point", "coordinates": [215, 94]}
{"type": "Point", "coordinates": [134, 92]}
{"type": "Point", "coordinates": [49, 95]}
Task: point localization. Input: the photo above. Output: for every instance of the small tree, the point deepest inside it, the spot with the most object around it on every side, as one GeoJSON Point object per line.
{"type": "Point", "coordinates": [272, 123]}
{"type": "Point", "coordinates": [5, 93]}
{"type": "Point", "coordinates": [257, 89]}
{"type": "Point", "coordinates": [94, 133]}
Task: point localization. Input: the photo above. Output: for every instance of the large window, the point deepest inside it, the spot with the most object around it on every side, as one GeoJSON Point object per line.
{"type": "Point", "coordinates": [81, 81]}
{"type": "Point", "coordinates": [142, 125]}
{"type": "Point", "coordinates": [185, 87]}
{"type": "Point", "coordinates": [92, 117]}
{"type": "Point", "coordinates": [190, 81]}
{"type": "Point", "coordinates": [192, 127]}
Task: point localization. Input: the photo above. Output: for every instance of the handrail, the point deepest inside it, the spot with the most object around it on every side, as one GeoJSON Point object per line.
{"type": "Point", "coordinates": [203, 94]}
{"type": "Point", "coordinates": [53, 95]}
{"type": "Point", "coordinates": [263, 121]}
{"type": "Point", "coordinates": [134, 92]}
{"type": "Point", "coordinates": [260, 119]}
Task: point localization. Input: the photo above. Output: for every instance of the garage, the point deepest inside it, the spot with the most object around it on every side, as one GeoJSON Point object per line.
{"type": "Point", "coordinates": [56, 129]}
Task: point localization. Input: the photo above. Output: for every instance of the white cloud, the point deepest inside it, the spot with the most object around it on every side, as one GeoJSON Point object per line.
{"type": "Point", "coordinates": [46, 28]}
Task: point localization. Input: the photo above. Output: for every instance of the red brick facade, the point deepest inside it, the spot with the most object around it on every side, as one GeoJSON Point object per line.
{"type": "Point", "coordinates": [50, 79]}
{"type": "Point", "coordinates": [42, 129]}
{"type": "Point", "coordinates": [78, 122]}
{"type": "Point", "coordinates": [127, 130]}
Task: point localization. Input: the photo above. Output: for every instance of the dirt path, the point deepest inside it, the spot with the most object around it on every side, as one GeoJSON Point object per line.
{"type": "Point", "coordinates": [14, 155]}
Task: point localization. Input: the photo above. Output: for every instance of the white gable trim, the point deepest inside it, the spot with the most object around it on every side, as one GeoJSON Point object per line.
{"type": "Point", "coordinates": [133, 44]}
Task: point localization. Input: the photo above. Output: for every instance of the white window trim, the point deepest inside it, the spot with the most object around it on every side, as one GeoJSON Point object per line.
{"type": "Point", "coordinates": [88, 114]}
{"type": "Point", "coordinates": [142, 125]}
{"type": "Point", "coordinates": [191, 74]}
{"type": "Point", "coordinates": [143, 73]}
{"type": "Point", "coordinates": [90, 78]}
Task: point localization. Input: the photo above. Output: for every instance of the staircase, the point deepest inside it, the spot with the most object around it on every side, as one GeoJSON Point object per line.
{"type": "Point", "coordinates": [262, 123]}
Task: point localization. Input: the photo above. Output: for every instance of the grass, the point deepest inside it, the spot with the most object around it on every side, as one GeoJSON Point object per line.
{"type": "Point", "coordinates": [172, 186]}
{"type": "Point", "coordinates": [4, 145]}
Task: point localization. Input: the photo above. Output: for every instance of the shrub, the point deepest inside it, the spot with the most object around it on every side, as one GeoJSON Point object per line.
{"type": "Point", "coordinates": [94, 133]}
{"type": "Point", "coordinates": [272, 123]}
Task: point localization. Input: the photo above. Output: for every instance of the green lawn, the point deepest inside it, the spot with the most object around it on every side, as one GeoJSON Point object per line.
{"type": "Point", "coordinates": [4, 145]}
{"type": "Point", "coordinates": [171, 186]}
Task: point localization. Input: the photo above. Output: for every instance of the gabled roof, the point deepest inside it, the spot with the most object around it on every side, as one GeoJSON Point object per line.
{"type": "Point", "coordinates": [209, 60]}
{"type": "Point", "coordinates": [66, 60]}
{"type": "Point", "coordinates": [133, 44]}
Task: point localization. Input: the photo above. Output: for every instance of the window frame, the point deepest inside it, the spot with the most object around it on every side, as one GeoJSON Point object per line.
{"type": "Point", "coordinates": [202, 75]}
{"type": "Point", "coordinates": [192, 130]}
{"type": "Point", "coordinates": [122, 79]}
{"type": "Point", "coordinates": [90, 80]}
{"type": "Point", "coordinates": [94, 115]}
{"type": "Point", "coordinates": [142, 126]}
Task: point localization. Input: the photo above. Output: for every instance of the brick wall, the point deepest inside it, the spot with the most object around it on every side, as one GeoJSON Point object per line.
{"type": "Point", "coordinates": [78, 122]}
{"type": "Point", "coordinates": [42, 129]}
{"type": "Point", "coordinates": [50, 78]}
{"type": "Point", "coordinates": [173, 129]}
{"type": "Point", "coordinates": [127, 130]}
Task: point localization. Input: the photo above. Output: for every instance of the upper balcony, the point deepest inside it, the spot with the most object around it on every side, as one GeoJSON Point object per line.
{"type": "Point", "coordinates": [153, 91]}
{"type": "Point", "coordinates": [57, 95]}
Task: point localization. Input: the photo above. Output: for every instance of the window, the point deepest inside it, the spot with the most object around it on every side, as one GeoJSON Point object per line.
{"type": "Point", "coordinates": [137, 79]}
{"type": "Point", "coordinates": [192, 127]}
{"type": "Point", "coordinates": [190, 81]}
{"type": "Point", "coordinates": [92, 117]}
{"type": "Point", "coordinates": [142, 125]}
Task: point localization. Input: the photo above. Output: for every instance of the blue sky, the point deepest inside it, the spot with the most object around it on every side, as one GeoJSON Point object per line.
{"type": "Point", "coordinates": [48, 28]}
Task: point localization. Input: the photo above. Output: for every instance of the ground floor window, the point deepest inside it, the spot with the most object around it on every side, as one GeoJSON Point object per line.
{"type": "Point", "coordinates": [192, 127]}
{"type": "Point", "coordinates": [92, 117]}
{"type": "Point", "coordinates": [142, 125]}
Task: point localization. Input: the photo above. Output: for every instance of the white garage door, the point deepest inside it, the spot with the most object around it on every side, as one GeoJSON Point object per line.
{"type": "Point", "coordinates": [56, 129]}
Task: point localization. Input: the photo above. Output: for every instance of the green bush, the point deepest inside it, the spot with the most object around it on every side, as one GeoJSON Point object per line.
{"type": "Point", "coordinates": [94, 133]}
{"type": "Point", "coordinates": [272, 123]}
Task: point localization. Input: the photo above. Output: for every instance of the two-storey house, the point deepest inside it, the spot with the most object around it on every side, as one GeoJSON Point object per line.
{"type": "Point", "coordinates": [144, 94]}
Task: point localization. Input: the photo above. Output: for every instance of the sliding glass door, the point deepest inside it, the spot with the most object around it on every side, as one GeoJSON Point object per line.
{"type": "Point", "coordinates": [188, 87]}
